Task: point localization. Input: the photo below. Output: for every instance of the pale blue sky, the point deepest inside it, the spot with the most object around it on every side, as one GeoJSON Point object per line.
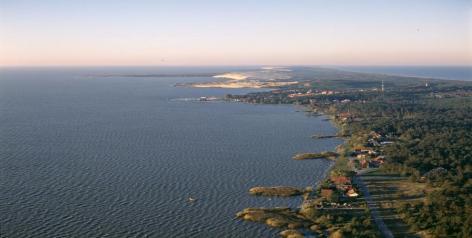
{"type": "Point", "coordinates": [400, 32]}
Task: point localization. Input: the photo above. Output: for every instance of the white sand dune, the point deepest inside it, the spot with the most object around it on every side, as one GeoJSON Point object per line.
{"type": "Point", "coordinates": [242, 84]}
{"type": "Point", "coordinates": [233, 76]}
{"type": "Point", "coordinates": [270, 78]}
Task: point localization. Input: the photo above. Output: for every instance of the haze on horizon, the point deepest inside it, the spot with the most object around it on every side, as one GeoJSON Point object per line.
{"type": "Point", "coordinates": [369, 32]}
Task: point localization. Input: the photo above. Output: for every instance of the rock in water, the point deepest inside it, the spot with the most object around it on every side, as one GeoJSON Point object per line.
{"type": "Point", "coordinates": [282, 191]}
{"type": "Point", "coordinates": [291, 234]}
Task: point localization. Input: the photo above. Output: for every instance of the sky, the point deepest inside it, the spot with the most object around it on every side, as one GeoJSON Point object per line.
{"type": "Point", "coordinates": [242, 32]}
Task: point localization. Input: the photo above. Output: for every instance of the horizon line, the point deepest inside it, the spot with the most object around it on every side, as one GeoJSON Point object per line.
{"type": "Point", "coordinates": [236, 65]}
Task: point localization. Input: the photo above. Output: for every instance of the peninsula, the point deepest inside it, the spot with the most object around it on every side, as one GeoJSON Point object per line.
{"type": "Point", "coordinates": [407, 142]}
{"type": "Point", "coordinates": [266, 77]}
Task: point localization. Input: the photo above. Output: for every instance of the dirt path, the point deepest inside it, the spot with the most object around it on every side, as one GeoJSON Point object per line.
{"type": "Point", "coordinates": [383, 193]}
{"type": "Point", "coordinates": [373, 207]}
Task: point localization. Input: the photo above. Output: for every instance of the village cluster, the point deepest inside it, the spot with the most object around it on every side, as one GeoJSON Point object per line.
{"type": "Point", "coordinates": [339, 190]}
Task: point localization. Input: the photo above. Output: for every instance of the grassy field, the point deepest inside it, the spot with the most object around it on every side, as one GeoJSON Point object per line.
{"type": "Point", "coordinates": [389, 191]}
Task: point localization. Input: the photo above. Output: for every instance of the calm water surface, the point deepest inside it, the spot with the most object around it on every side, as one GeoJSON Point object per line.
{"type": "Point", "coordinates": [86, 156]}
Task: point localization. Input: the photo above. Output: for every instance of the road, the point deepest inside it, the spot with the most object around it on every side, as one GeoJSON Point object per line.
{"type": "Point", "coordinates": [384, 231]}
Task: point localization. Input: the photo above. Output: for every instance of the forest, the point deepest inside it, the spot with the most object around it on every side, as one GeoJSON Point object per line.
{"type": "Point", "coordinates": [430, 126]}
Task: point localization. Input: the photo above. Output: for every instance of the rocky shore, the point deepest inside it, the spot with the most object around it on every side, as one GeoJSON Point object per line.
{"type": "Point", "coordinates": [282, 191]}
{"type": "Point", "coordinates": [321, 213]}
{"type": "Point", "coordinates": [280, 217]}
{"type": "Point", "coordinates": [323, 155]}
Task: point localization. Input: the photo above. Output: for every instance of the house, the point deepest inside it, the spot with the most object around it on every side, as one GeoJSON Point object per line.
{"type": "Point", "coordinates": [352, 193]}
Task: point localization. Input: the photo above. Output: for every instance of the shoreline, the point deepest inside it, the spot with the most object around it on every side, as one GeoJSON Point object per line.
{"type": "Point", "coordinates": [274, 219]}
{"type": "Point", "coordinates": [376, 142]}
